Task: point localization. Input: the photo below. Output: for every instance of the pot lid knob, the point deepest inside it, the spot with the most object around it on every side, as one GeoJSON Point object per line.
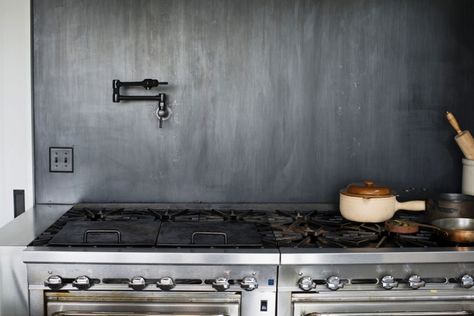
{"type": "Point", "coordinates": [367, 189]}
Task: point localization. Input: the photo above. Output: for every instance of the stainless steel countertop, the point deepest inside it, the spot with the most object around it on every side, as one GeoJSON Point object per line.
{"type": "Point", "coordinates": [14, 237]}
{"type": "Point", "coordinates": [23, 229]}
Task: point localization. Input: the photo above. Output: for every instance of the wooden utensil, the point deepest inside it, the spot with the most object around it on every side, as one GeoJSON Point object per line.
{"type": "Point", "coordinates": [463, 138]}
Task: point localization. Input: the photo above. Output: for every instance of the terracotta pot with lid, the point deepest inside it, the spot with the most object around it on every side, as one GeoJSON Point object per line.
{"type": "Point", "coordinates": [370, 203]}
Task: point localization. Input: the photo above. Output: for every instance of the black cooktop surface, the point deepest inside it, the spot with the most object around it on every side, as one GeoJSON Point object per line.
{"type": "Point", "coordinates": [148, 227]}
{"type": "Point", "coordinates": [152, 227]}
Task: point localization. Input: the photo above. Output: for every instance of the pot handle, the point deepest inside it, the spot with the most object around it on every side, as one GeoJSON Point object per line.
{"type": "Point", "coordinates": [411, 206]}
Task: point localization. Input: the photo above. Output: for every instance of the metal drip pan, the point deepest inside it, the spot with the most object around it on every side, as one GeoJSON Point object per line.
{"type": "Point", "coordinates": [208, 234]}
{"type": "Point", "coordinates": [107, 233]}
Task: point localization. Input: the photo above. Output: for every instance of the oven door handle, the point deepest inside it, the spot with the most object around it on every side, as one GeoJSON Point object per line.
{"type": "Point", "coordinates": [101, 231]}
{"type": "Point", "coordinates": [121, 314]}
{"type": "Point", "coordinates": [457, 313]}
{"type": "Point", "coordinates": [193, 236]}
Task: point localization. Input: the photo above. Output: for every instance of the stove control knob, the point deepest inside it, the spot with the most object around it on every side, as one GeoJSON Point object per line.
{"type": "Point", "coordinates": [249, 283]}
{"type": "Point", "coordinates": [54, 282]}
{"type": "Point", "coordinates": [306, 283]}
{"type": "Point", "coordinates": [467, 281]}
{"type": "Point", "coordinates": [388, 282]}
{"type": "Point", "coordinates": [334, 283]}
{"type": "Point", "coordinates": [221, 284]}
{"type": "Point", "coordinates": [166, 283]}
{"type": "Point", "coordinates": [415, 282]}
{"type": "Point", "coordinates": [82, 283]}
{"type": "Point", "coordinates": [137, 283]}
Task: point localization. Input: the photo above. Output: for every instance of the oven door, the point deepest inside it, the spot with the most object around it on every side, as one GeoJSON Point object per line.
{"type": "Point", "coordinates": [115, 303]}
{"type": "Point", "coordinates": [387, 303]}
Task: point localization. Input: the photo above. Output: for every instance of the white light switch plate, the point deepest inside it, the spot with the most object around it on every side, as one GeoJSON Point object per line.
{"type": "Point", "coordinates": [61, 159]}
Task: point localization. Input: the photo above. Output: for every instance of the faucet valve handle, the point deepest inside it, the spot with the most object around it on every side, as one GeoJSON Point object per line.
{"type": "Point", "coordinates": [162, 112]}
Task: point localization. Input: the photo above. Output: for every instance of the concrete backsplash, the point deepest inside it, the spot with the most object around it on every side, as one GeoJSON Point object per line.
{"type": "Point", "coordinates": [273, 101]}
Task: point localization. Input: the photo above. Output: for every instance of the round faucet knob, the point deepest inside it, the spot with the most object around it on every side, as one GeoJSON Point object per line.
{"type": "Point", "coordinates": [161, 113]}
{"type": "Point", "coordinates": [137, 283]}
{"type": "Point", "coordinates": [221, 284]}
{"type": "Point", "coordinates": [306, 283]}
{"type": "Point", "coordinates": [249, 283]}
{"type": "Point", "coordinates": [388, 282]}
{"type": "Point", "coordinates": [467, 281]}
{"type": "Point", "coordinates": [82, 282]}
{"type": "Point", "coordinates": [166, 283]}
{"type": "Point", "coordinates": [415, 282]}
{"type": "Point", "coordinates": [334, 283]}
{"type": "Point", "coordinates": [54, 282]}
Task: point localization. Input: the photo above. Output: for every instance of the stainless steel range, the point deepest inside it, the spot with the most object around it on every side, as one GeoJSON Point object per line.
{"type": "Point", "coordinates": [141, 260]}
{"type": "Point", "coordinates": [330, 266]}
{"type": "Point", "coordinates": [290, 260]}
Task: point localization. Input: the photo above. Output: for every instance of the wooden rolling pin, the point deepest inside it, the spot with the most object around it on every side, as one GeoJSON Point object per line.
{"type": "Point", "coordinates": [463, 138]}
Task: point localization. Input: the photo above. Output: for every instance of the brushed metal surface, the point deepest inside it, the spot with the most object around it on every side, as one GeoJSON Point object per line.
{"type": "Point", "coordinates": [273, 101]}
{"type": "Point", "coordinates": [300, 256]}
{"type": "Point", "coordinates": [153, 256]}
{"type": "Point", "coordinates": [13, 282]}
{"type": "Point", "coordinates": [250, 301]}
{"type": "Point", "coordinates": [26, 227]}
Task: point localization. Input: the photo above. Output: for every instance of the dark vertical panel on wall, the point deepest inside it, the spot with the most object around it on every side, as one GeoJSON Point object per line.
{"type": "Point", "coordinates": [271, 100]}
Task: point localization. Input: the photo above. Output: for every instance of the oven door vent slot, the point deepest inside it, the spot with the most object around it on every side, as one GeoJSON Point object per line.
{"type": "Point", "coordinates": [363, 281]}
{"type": "Point", "coordinates": [189, 281]}
{"type": "Point", "coordinates": [115, 281]}
{"type": "Point", "coordinates": [436, 280]}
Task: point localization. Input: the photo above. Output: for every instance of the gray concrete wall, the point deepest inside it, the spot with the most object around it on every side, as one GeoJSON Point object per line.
{"type": "Point", "coordinates": [272, 100]}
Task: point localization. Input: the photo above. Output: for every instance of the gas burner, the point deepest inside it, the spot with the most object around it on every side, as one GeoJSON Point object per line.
{"type": "Point", "coordinates": [313, 229]}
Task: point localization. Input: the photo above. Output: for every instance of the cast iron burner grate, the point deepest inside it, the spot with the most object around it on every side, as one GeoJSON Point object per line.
{"type": "Point", "coordinates": [329, 230]}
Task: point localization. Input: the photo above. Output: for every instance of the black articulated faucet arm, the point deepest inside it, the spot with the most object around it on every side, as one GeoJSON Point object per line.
{"type": "Point", "coordinates": [146, 83]}
{"type": "Point", "coordinates": [162, 112]}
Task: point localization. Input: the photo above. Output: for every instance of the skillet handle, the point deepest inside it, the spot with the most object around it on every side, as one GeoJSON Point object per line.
{"type": "Point", "coordinates": [411, 206]}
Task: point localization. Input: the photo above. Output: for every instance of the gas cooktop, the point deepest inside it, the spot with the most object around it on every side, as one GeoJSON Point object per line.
{"type": "Point", "coordinates": [149, 227]}
{"type": "Point", "coordinates": [115, 226]}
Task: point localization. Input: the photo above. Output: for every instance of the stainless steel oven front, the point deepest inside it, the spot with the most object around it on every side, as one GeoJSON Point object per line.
{"type": "Point", "coordinates": [376, 303]}
{"type": "Point", "coordinates": [67, 289]}
{"type": "Point", "coordinates": [115, 303]}
{"type": "Point", "coordinates": [376, 289]}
